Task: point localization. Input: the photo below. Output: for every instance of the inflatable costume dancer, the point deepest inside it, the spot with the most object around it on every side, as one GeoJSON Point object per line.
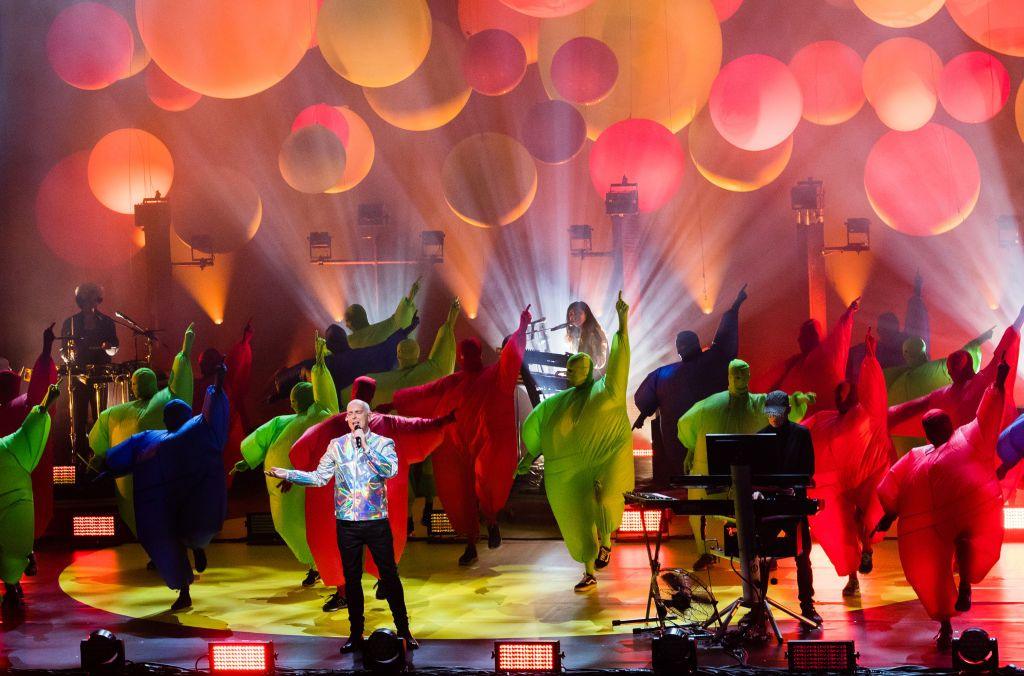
{"type": "Point", "coordinates": [889, 350]}
{"type": "Point", "coordinates": [852, 452]}
{"type": "Point", "coordinates": [671, 390]}
{"type": "Point", "coordinates": [584, 435]}
{"type": "Point", "coordinates": [950, 507]}
{"type": "Point", "coordinates": [364, 334]}
{"type": "Point", "coordinates": [735, 411]}
{"type": "Point", "coordinates": [179, 490]}
{"type": "Point", "coordinates": [476, 464]}
{"type": "Point", "coordinates": [20, 452]}
{"type": "Point", "coordinates": [1011, 449]}
{"type": "Point", "coordinates": [270, 445]}
{"type": "Point", "coordinates": [145, 412]}
{"type": "Point", "coordinates": [415, 439]}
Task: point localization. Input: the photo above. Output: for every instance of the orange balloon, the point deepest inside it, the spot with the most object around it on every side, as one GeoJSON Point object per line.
{"type": "Point", "coordinates": [168, 94]}
{"type": "Point", "coordinates": [374, 43]}
{"type": "Point", "coordinates": [974, 87]}
{"type": "Point", "coordinates": [312, 159]}
{"type": "Point", "coordinates": [726, 8]}
{"type": "Point", "coordinates": [479, 15]}
{"type": "Point", "coordinates": [1018, 111]}
{"type": "Point", "coordinates": [489, 180]}
{"type": "Point", "coordinates": [899, 13]}
{"type": "Point", "coordinates": [829, 74]}
{"type": "Point", "coordinates": [729, 167]}
{"type": "Point", "coordinates": [226, 48]}
{"type": "Point", "coordinates": [901, 82]}
{"type": "Point", "coordinates": [359, 152]}
{"type": "Point", "coordinates": [89, 45]}
{"type": "Point", "coordinates": [127, 165]}
{"type": "Point", "coordinates": [216, 209]}
{"type": "Point", "coordinates": [669, 53]}
{"type": "Point", "coordinates": [547, 9]}
{"type": "Point", "coordinates": [140, 55]}
{"type": "Point", "coordinates": [434, 95]}
{"type": "Point", "coordinates": [995, 24]}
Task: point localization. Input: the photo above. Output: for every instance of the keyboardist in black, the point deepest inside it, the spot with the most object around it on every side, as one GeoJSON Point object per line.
{"type": "Point", "coordinates": [797, 452]}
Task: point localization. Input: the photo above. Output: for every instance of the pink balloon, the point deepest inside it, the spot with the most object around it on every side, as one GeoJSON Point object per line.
{"type": "Point", "coordinates": [923, 182]}
{"type": "Point", "coordinates": [73, 223]}
{"type": "Point", "coordinates": [554, 131]}
{"type": "Point", "coordinates": [643, 151]}
{"type": "Point", "coordinates": [583, 70]}
{"type": "Point", "coordinates": [166, 93]}
{"type": "Point", "coordinates": [901, 82]}
{"type": "Point", "coordinates": [829, 74]}
{"type": "Point", "coordinates": [974, 87]}
{"type": "Point", "coordinates": [755, 102]}
{"type": "Point", "coordinates": [479, 15]}
{"type": "Point", "coordinates": [324, 115]}
{"type": "Point", "coordinates": [546, 9]}
{"type": "Point", "coordinates": [494, 62]}
{"type": "Point", "coordinates": [90, 46]}
{"type": "Point", "coordinates": [726, 8]}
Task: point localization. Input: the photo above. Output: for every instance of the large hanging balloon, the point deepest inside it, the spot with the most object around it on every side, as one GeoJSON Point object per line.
{"type": "Point", "coordinates": [494, 62]}
{"type": "Point", "coordinates": [1018, 111]}
{"type": "Point", "coordinates": [168, 94]}
{"type": "Point", "coordinates": [755, 102]}
{"type": "Point", "coordinates": [829, 74]}
{"type": "Point", "coordinates": [901, 82]}
{"type": "Point", "coordinates": [89, 45]}
{"type": "Point", "coordinates": [923, 182]}
{"type": "Point", "coordinates": [726, 8]}
{"type": "Point", "coordinates": [226, 48]}
{"type": "Point", "coordinates": [326, 116]}
{"type": "Point", "coordinates": [643, 151]}
{"type": "Point", "coordinates": [583, 70]}
{"type": "Point", "coordinates": [489, 180]}
{"type": "Point", "coordinates": [75, 226]}
{"type": "Point", "coordinates": [127, 165]}
{"type": "Point", "coordinates": [974, 87]}
{"type": "Point", "coordinates": [668, 52]}
{"type": "Point", "coordinates": [140, 55]}
{"type": "Point", "coordinates": [995, 24]}
{"type": "Point", "coordinates": [433, 95]}
{"type": "Point", "coordinates": [899, 13]}
{"type": "Point", "coordinates": [729, 167]}
{"type": "Point", "coordinates": [479, 15]}
{"type": "Point", "coordinates": [553, 131]}
{"type": "Point", "coordinates": [312, 159]}
{"type": "Point", "coordinates": [359, 151]}
{"type": "Point", "coordinates": [547, 9]}
{"type": "Point", "coordinates": [216, 209]}
{"type": "Point", "coordinates": [374, 43]}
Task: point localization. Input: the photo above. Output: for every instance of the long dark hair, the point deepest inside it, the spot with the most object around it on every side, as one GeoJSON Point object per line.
{"type": "Point", "coordinates": [590, 337]}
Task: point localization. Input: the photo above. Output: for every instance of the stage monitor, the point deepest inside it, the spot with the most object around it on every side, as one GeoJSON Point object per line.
{"type": "Point", "coordinates": [760, 451]}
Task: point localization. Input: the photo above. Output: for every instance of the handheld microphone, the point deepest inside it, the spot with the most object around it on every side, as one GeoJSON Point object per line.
{"type": "Point", "coordinates": [359, 440]}
{"type": "Point", "coordinates": [559, 327]}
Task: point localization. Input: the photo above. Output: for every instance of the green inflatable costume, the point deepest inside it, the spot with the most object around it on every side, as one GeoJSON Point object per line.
{"type": "Point", "coordinates": [735, 411]}
{"type": "Point", "coordinates": [271, 442]}
{"type": "Point", "coordinates": [364, 334]}
{"type": "Point", "coordinates": [145, 412]}
{"type": "Point", "coordinates": [585, 437]}
{"type": "Point", "coordinates": [19, 454]}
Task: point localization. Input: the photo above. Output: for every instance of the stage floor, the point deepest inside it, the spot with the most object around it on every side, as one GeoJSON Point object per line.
{"type": "Point", "coordinates": [523, 589]}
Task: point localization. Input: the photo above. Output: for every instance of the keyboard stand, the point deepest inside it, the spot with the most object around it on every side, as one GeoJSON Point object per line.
{"type": "Point", "coordinates": [654, 599]}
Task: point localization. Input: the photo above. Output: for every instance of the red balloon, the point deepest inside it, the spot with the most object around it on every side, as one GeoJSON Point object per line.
{"type": "Point", "coordinates": [974, 87]}
{"type": "Point", "coordinates": [326, 116]}
{"type": "Point", "coordinates": [726, 8]}
{"type": "Point", "coordinates": [923, 182]}
{"type": "Point", "coordinates": [546, 9]}
{"type": "Point", "coordinates": [73, 223]}
{"type": "Point", "coordinates": [643, 151]}
{"type": "Point", "coordinates": [553, 131]}
{"type": "Point", "coordinates": [995, 24]}
{"type": "Point", "coordinates": [584, 70]}
{"type": "Point", "coordinates": [90, 46]}
{"type": "Point", "coordinates": [166, 93]}
{"type": "Point", "coordinates": [479, 15]}
{"type": "Point", "coordinates": [755, 102]}
{"type": "Point", "coordinates": [494, 62]}
{"type": "Point", "coordinates": [829, 74]}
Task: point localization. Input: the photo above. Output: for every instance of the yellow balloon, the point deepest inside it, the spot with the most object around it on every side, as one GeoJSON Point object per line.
{"type": "Point", "coordinates": [359, 152]}
{"type": "Point", "coordinates": [669, 52]}
{"type": "Point", "coordinates": [489, 180]}
{"type": "Point", "coordinates": [899, 13]}
{"type": "Point", "coordinates": [374, 43]}
{"type": "Point", "coordinates": [732, 168]}
{"type": "Point", "coordinates": [434, 95]}
{"type": "Point", "coordinates": [312, 159]}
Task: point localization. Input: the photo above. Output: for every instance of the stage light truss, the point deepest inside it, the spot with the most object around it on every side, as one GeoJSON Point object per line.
{"type": "Point", "coordinates": [636, 521]}
{"type": "Point", "coordinates": [822, 656]}
{"type": "Point", "coordinates": [243, 657]}
{"type": "Point", "coordinates": [529, 657]}
{"type": "Point", "coordinates": [93, 526]}
{"type": "Point", "coordinates": [64, 475]}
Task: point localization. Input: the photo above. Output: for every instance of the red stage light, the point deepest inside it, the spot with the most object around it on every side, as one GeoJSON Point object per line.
{"type": "Point", "coordinates": [93, 526]}
{"type": "Point", "coordinates": [637, 521]}
{"type": "Point", "coordinates": [251, 657]}
{"type": "Point", "coordinates": [537, 657]}
{"type": "Point", "coordinates": [643, 453]}
{"type": "Point", "coordinates": [63, 475]}
{"type": "Point", "coordinates": [1013, 518]}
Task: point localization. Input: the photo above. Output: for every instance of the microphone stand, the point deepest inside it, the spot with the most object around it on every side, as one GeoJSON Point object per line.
{"type": "Point", "coordinates": [138, 330]}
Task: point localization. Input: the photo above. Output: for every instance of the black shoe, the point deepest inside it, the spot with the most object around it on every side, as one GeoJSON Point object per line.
{"type": "Point", "coordinates": [12, 598]}
{"type": "Point", "coordinates": [586, 583]}
{"type": "Point", "coordinates": [354, 643]}
{"type": "Point", "coordinates": [811, 614]}
{"type": "Point", "coordinates": [33, 567]}
{"type": "Point", "coordinates": [410, 642]}
{"type": "Point", "coordinates": [963, 599]}
{"type": "Point", "coordinates": [410, 526]}
{"type": "Point", "coordinates": [867, 562]}
{"type": "Point", "coordinates": [604, 557]}
{"type": "Point", "coordinates": [183, 602]}
{"type": "Point", "coordinates": [200, 557]}
{"type": "Point", "coordinates": [705, 560]}
{"type": "Point", "coordinates": [852, 588]}
{"type": "Point", "coordinates": [379, 591]}
{"type": "Point", "coordinates": [469, 556]}
{"type": "Point", "coordinates": [493, 536]}
{"type": "Point", "coordinates": [335, 602]}
{"type": "Point", "coordinates": [428, 508]}
{"type": "Point", "coordinates": [311, 577]}
{"type": "Point", "coordinates": [944, 639]}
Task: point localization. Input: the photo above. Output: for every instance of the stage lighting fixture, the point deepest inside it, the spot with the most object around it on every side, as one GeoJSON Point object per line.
{"type": "Point", "coordinates": [622, 199]}
{"type": "Point", "coordinates": [807, 199]}
{"type": "Point", "coordinates": [581, 240]}
{"type": "Point", "coordinates": [242, 657]}
{"type": "Point", "coordinates": [1013, 518]}
{"type": "Point", "coordinates": [94, 526]}
{"type": "Point", "coordinates": [259, 529]}
{"type": "Point", "coordinates": [527, 657]}
{"type": "Point", "coordinates": [102, 653]}
{"type": "Point", "coordinates": [200, 252]}
{"type": "Point", "coordinates": [643, 453]}
{"type": "Point", "coordinates": [319, 247]}
{"type": "Point", "coordinates": [432, 245]}
{"type": "Point", "coordinates": [439, 527]}
{"type": "Point", "coordinates": [64, 475]}
{"type": "Point", "coordinates": [831, 656]}
{"type": "Point", "coordinates": [974, 650]}
{"type": "Point", "coordinates": [636, 521]}
{"type": "Point", "coordinates": [384, 652]}
{"type": "Point", "coordinates": [858, 237]}
{"type": "Point", "coordinates": [673, 652]}
{"type": "Point", "coordinates": [1009, 231]}
{"type": "Point", "coordinates": [372, 214]}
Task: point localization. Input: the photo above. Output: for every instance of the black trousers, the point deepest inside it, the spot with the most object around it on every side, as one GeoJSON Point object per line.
{"type": "Point", "coordinates": [376, 536]}
{"type": "Point", "coordinates": [804, 574]}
